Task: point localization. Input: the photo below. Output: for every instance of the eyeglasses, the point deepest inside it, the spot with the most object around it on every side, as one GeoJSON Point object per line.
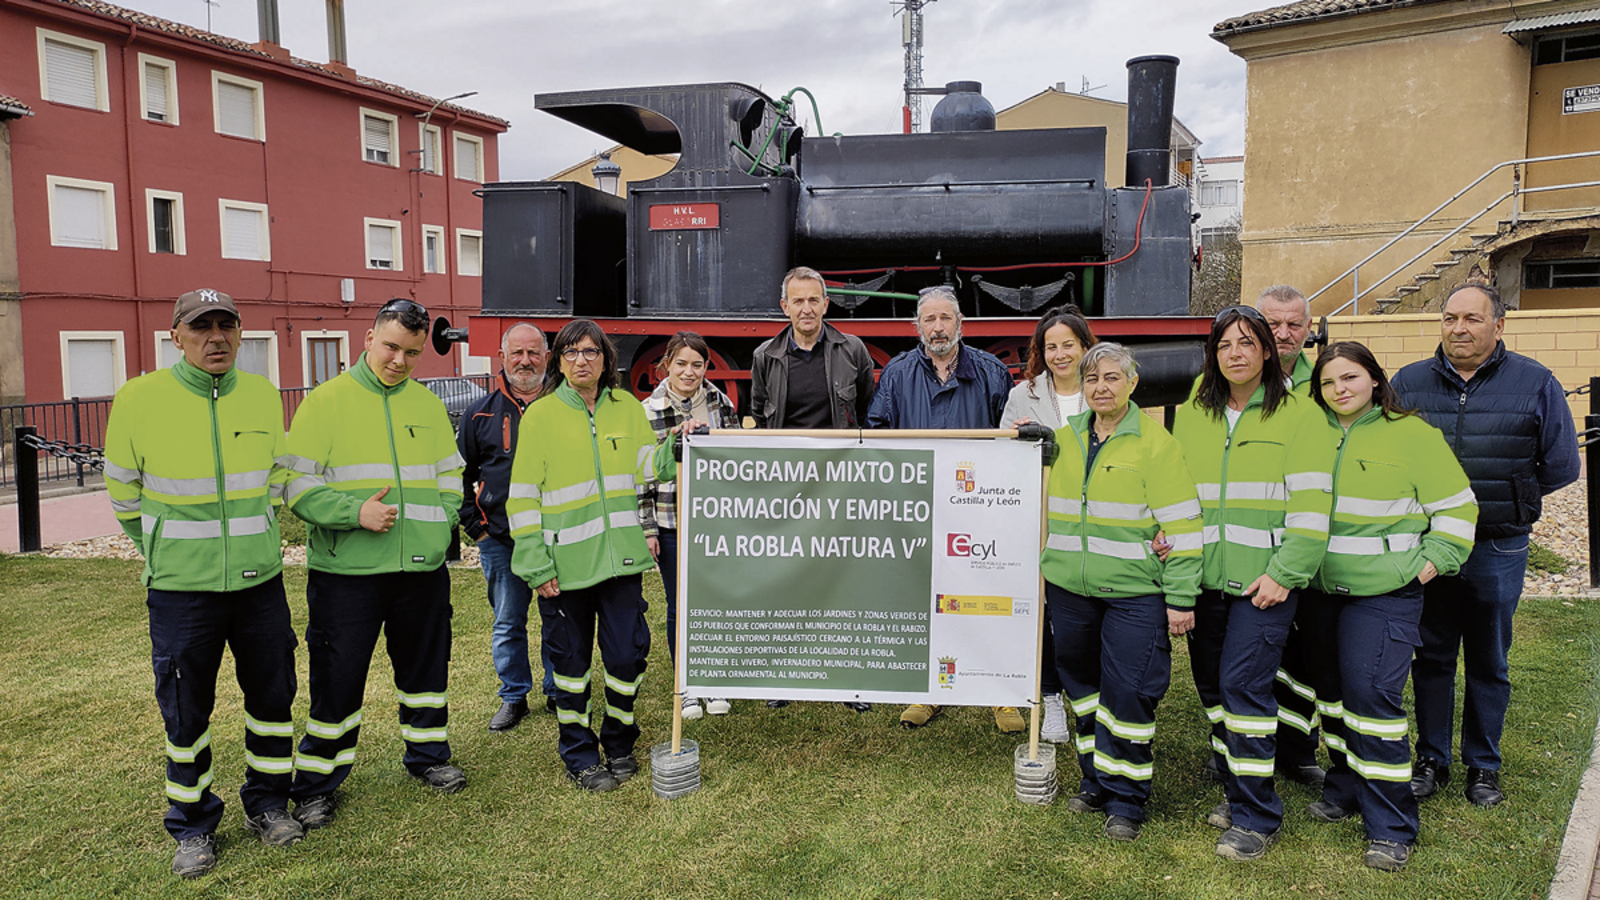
{"type": "Point", "coordinates": [1248, 312]}
{"type": "Point", "coordinates": [402, 305]}
{"type": "Point", "coordinates": [571, 354]}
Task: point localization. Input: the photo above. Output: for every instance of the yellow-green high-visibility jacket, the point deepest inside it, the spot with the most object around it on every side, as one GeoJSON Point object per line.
{"type": "Point", "coordinates": [194, 463]}
{"type": "Point", "coordinates": [1400, 501]}
{"type": "Point", "coordinates": [1300, 378]}
{"type": "Point", "coordinates": [1266, 490]}
{"type": "Point", "coordinates": [353, 436]}
{"type": "Point", "coordinates": [573, 507]}
{"type": "Point", "coordinates": [1102, 521]}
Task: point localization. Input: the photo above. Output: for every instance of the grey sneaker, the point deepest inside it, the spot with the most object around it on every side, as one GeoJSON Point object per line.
{"type": "Point", "coordinates": [596, 778]}
{"type": "Point", "coordinates": [1054, 727]}
{"type": "Point", "coordinates": [1221, 817]}
{"type": "Point", "coordinates": [1243, 844]}
{"type": "Point", "coordinates": [277, 828]}
{"type": "Point", "coordinates": [445, 779]}
{"type": "Point", "coordinates": [196, 856]}
{"type": "Point", "coordinates": [1387, 856]}
{"type": "Point", "coordinates": [315, 812]}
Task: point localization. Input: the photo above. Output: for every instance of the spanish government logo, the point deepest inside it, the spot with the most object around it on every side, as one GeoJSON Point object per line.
{"type": "Point", "coordinates": [947, 671]}
{"type": "Point", "coordinates": [966, 477]}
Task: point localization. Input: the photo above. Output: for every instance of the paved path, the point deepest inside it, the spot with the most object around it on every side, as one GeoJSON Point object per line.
{"type": "Point", "coordinates": [73, 517]}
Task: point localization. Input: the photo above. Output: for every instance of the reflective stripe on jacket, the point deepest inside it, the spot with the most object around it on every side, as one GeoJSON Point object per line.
{"type": "Point", "coordinates": [574, 506]}
{"type": "Point", "coordinates": [194, 462]}
{"type": "Point", "coordinates": [354, 436]}
{"type": "Point", "coordinates": [1400, 501]}
{"type": "Point", "coordinates": [1102, 521]}
{"type": "Point", "coordinates": [1266, 490]}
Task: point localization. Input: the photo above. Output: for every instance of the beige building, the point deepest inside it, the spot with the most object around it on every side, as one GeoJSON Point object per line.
{"type": "Point", "coordinates": [635, 166]}
{"type": "Point", "coordinates": [1366, 115]}
{"type": "Point", "coordinates": [1055, 108]}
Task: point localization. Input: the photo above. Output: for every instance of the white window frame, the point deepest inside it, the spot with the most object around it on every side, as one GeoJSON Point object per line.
{"type": "Point", "coordinates": [396, 244]}
{"type": "Point", "coordinates": [102, 94]}
{"type": "Point", "coordinates": [180, 243]}
{"type": "Point", "coordinates": [394, 136]}
{"type": "Point", "coordinates": [477, 142]}
{"type": "Point", "coordinates": [443, 254]}
{"type": "Point", "coordinates": [163, 339]}
{"type": "Point", "coordinates": [147, 61]}
{"type": "Point", "coordinates": [119, 359]}
{"type": "Point", "coordinates": [1216, 187]}
{"type": "Point", "coordinates": [431, 136]}
{"type": "Point", "coordinates": [108, 207]}
{"type": "Point", "coordinates": [265, 241]}
{"type": "Point", "coordinates": [462, 269]}
{"type": "Point", "coordinates": [218, 78]}
{"type": "Point", "coordinates": [305, 351]}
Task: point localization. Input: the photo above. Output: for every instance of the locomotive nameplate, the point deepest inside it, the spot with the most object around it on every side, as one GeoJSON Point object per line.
{"type": "Point", "coordinates": [680, 216]}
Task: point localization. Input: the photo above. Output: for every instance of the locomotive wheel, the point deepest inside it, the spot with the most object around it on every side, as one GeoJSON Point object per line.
{"type": "Point", "coordinates": [880, 358]}
{"type": "Point", "coordinates": [643, 377]}
{"type": "Point", "coordinates": [1013, 351]}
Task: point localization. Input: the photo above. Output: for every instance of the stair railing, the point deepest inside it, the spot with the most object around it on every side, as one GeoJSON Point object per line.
{"type": "Point", "coordinates": [1515, 195]}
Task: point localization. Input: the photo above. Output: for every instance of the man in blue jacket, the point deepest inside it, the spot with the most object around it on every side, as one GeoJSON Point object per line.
{"type": "Point", "coordinates": [488, 441]}
{"type": "Point", "coordinates": [1507, 420]}
{"type": "Point", "coordinates": [942, 384]}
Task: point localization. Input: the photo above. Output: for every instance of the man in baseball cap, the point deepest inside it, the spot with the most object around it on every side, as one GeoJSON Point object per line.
{"type": "Point", "coordinates": [192, 471]}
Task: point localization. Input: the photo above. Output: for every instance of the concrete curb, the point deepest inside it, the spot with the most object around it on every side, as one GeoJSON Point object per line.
{"type": "Point", "coordinates": [1575, 866]}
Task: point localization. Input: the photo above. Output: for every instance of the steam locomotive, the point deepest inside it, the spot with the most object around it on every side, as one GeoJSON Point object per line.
{"type": "Point", "coordinates": [1014, 221]}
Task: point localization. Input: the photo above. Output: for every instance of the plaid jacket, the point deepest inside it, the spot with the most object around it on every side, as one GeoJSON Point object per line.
{"type": "Point", "coordinates": [658, 501]}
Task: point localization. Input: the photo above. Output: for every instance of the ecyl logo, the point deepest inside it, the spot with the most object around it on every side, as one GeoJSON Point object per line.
{"type": "Point", "coordinates": [963, 545]}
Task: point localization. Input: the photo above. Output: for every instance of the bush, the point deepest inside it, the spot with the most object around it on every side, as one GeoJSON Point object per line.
{"type": "Point", "coordinates": [1543, 559]}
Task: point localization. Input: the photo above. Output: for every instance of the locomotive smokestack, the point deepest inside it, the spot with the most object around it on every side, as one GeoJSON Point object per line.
{"type": "Point", "coordinates": [963, 108]}
{"type": "Point", "coordinates": [1152, 81]}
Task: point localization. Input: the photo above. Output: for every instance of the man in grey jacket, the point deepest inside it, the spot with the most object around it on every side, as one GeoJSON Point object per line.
{"type": "Point", "coordinates": [811, 375]}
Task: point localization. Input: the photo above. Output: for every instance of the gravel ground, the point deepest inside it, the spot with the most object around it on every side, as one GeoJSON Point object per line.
{"type": "Point", "coordinates": [1563, 529]}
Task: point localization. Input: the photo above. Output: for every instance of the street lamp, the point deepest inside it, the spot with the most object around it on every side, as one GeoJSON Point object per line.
{"type": "Point", "coordinates": [606, 174]}
{"type": "Point", "coordinates": [428, 165]}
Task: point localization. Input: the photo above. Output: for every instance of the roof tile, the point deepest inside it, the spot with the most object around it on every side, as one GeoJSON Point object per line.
{"type": "Point", "coordinates": [1291, 13]}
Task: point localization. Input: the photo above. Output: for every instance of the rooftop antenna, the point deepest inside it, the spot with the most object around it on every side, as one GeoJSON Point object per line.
{"type": "Point", "coordinates": [1086, 88]}
{"type": "Point", "coordinates": [210, 4]}
{"type": "Point", "coordinates": [911, 38]}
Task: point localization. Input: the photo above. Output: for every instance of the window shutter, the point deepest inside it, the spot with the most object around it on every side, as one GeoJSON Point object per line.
{"type": "Point", "coordinates": [70, 74]}
{"type": "Point", "coordinates": [241, 234]}
{"type": "Point", "coordinates": [467, 160]}
{"type": "Point", "coordinates": [430, 244]}
{"type": "Point", "coordinates": [470, 252]}
{"type": "Point", "coordinates": [91, 365]}
{"type": "Point", "coordinates": [236, 107]}
{"type": "Point", "coordinates": [80, 217]}
{"type": "Point", "coordinates": [377, 138]}
{"type": "Point", "coordinates": [430, 151]}
{"type": "Point", "coordinates": [380, 246]}
{"type": "Point", "coordinates": [253, 357]}
{"type": "Point", "coordinates": [155, 93]}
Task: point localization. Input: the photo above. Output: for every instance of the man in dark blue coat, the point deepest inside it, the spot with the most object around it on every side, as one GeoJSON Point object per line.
{"type": "Point", "coordinates": [1507, 420]}
{"type": "Point", "coordinates": [942, 383]}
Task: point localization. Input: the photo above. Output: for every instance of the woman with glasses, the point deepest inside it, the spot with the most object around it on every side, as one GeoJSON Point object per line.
{"type": "Point", "coordinates": [583, 448]}
{"type": "Point", "coordinates": [1257, 455]}
{"type": "Point", "coordinates": [1050, 392]}
{"type": "Point", "coordinates": [1111, 601]}
{"type": "Point", "coordinates": [683, 394]}
{"type": "Point", "coordinates": [1403, 514]}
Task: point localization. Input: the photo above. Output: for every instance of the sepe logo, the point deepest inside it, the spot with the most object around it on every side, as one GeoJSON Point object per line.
{"type": "Point", "coordinates": [964, 546]}
{"type": "Point", "coordinates": [966, 477]}
{"type": "Point", "coordinates": [947, 672]}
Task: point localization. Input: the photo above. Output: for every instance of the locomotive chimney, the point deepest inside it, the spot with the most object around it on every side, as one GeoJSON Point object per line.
{"type": "Point", "coordinates": [1151, 84]}
{"type": "Point", "coordinates": [963, 108]}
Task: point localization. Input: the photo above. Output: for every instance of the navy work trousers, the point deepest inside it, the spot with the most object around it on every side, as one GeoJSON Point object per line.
{"type": "Point", "coordinates": [612, 611]}
{"type": "Point", "coordinates": [347, 612]}
{"type": "Point", "coordinates": [188, 630]}
{"type": "Point", "coordinates": [1235, 655]}
{"type": "Point", "coordinates": [1469, 613]}
{"type": "Point", "coordinates": [1359, 665]}
{"type": "Point", "coordinates": [1115, 660]}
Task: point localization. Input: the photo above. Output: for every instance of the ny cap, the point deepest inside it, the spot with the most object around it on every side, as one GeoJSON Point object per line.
{"type": "Point", "coordinates": [195, 304]}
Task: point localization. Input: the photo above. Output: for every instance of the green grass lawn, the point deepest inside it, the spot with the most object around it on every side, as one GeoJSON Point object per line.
{"type": "Point", "coordinates": [812, 800]}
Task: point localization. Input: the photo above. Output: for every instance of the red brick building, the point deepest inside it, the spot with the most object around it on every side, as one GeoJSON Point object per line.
{"type": "Point", "coordinates": [160, 158]}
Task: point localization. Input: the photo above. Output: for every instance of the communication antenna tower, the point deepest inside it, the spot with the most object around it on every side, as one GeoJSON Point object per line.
{"type": "Point", "coordinates": [911, 37]}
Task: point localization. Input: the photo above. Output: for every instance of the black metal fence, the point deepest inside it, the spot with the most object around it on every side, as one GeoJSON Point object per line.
{"type": "Point", "coordinates": [83, 421]}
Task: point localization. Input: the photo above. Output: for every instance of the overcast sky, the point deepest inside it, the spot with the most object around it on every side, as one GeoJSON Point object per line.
{"type": "Point", "coordinates": [846, 52]}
